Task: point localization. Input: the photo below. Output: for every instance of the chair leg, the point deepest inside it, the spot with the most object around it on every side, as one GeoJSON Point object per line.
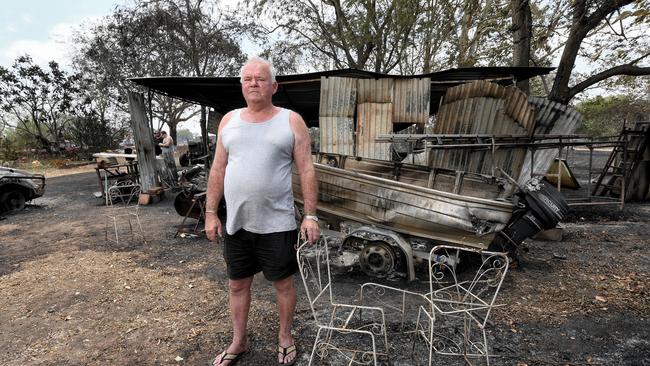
{"type": "Point", "coordinates": [117, 239]}
{"type": "Point", "coordinates": [374, 349]}
{"type": "Point", "coordinates": [485, 348]}
{"type": "Point", "coordinates": [313, 350]}
{"type": "Point", "coordinates": [144, 238]}
{"type": "Point", "coordinates": [431, 340]}
{"type": "Point", "coordinates": [420, 331]}
{"type": "Point", "coordinates": [385, 331]}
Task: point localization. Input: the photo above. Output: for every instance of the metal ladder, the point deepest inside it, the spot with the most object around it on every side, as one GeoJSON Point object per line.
{"type": "Point", "coordinates": [624, 159]}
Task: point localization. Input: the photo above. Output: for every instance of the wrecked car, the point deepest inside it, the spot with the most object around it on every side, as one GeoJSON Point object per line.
{"type": "Point", "coordinates": [18, 187]}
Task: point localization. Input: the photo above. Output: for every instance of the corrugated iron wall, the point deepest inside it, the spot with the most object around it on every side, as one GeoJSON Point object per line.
{"type": "Point", "coordinates": [373, 119]}
{"type": "Point", "coordinates": [336, 135]}
{"type": "Point", "coordinates": [378, 103]}
{"type": "Point", "coordinates": [550, 118]}
{"type": "Point", "coordinates": [411, 98]}
{"type": "Point", "coordinates": [483, 107]}
{"type": "Point", "coordinates": [338, 97]}
{"type": "Point", "coordinates": [336, 115]}
{"type": "Point", "coordinates": [375, 90]}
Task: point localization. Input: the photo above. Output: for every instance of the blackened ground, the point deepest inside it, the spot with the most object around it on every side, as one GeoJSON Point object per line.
{"type": "Point", "coordinates": [69, 298]}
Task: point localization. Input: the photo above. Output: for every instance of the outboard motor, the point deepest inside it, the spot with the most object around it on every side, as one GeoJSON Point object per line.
{"type": "Point", "coordinates": [538, 207]}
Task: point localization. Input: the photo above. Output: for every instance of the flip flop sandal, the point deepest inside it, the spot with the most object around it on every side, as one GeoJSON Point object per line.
{"type": "Point", "coordinates": [226, 356]}
{"type": "Point", "coordinates": [285, 351]}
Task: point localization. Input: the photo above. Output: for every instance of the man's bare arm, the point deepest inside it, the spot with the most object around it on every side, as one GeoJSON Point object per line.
{"type": "Point", "coordinates": [307, 173]}
{"type": "Point", "coordinates": [215, 184]}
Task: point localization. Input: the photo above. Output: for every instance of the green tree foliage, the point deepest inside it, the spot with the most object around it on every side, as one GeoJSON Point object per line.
{"type": "Point", "coordinates": [356, 34]}
{"type": "Point", "coordinates": [605, 116]}
{"type": "Point", "coordinates": [609, 36]}
{"type": "Point", "coordinates": [184, 135]}
{"type": "Point", "coordinates": [38, 102]}
{"type": "Point", "coordinates": [405, 36]}
{"type": "Point", "coordinates": [161, 38]}
{"type": "Point", "coordinates": [592, 42]}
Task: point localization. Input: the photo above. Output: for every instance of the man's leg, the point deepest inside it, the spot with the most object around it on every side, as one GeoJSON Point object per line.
{"type": "Point", "coordinates": [240, 302]}
{"type": "Point", "coordinates": [286, 298]}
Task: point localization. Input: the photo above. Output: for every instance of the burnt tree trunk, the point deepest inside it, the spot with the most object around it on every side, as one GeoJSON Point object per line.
{"type": "Point", "coordinates": [143, 141]}
{"type": "Point", "coordinates": [522, 27]}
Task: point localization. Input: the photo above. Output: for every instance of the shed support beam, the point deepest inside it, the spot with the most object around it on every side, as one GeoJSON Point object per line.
{"type": "Point", "coordinates": [143, 137]}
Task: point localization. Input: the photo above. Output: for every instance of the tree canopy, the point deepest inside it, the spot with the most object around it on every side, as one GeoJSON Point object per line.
{"type": "Point", "coordinates": [590, 41]}
{"type": "Point", "coordinates": [160, 37]}
{"type": "Point", "coordinates": [38, 101]}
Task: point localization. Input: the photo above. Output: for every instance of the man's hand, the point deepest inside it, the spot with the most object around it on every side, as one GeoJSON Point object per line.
{"type": "Point", "coordinates": [212, 225]}
{"type": "Point", "coordinates": [310, 230]}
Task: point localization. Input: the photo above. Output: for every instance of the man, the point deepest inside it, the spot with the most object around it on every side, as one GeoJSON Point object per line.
{"type": "Point", "coordinates": [256, 147]}
{"type": "Point", "coordinates": [157, 139]}
{"type": "Point", "coordinates": [167, 146]}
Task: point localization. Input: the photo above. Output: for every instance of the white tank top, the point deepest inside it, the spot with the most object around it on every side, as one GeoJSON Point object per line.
{"type": "Point", "coordinates": [257, 183]}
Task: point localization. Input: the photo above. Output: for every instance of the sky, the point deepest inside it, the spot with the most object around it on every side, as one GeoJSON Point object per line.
{"type": "Point", "coordinates": [42, 28]}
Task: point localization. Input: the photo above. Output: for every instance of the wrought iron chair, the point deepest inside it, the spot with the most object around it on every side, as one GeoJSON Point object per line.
{"type": "Point", "coordinates": [460, 302]}
{"type": "Point", "coordinates": [343, 329]}
{"type": "Point", "coordinates": [123, 200]}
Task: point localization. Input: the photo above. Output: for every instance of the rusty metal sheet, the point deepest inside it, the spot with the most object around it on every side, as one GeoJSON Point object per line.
{"type": "Point", "coordinates": [373, 119]}
{"type": "Point", "coordinates": [483, 107]}
{"type": "Point", "coordinates": [337, 97]}
{"type": "Point", "coordinates": [337, 135]}
{"type": "Point", "coordinates": [551, 118]}
{"type": "Point", "coordinates": [375, 90]}
{"type": "Point", "coordinates": [411, 98]}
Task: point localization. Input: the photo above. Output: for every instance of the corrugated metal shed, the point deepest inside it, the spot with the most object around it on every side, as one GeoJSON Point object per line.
{"type": "Point", "coordinates": [411, 99]}
{"type": "Point", "coordinates": [373, 119]}
{"type": "Point", "coordinates": [301, 92]}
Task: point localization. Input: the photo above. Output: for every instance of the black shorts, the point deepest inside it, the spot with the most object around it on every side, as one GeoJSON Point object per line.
{"type": "Point", "coordinates": [247, 253]}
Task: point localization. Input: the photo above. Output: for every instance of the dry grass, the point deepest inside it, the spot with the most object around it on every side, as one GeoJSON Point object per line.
{"type": "Point", "coordinates": [56, 167]}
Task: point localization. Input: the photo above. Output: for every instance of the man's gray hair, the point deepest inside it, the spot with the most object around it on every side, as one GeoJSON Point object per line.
{"type": "Point", "coordinates": [257, 59]}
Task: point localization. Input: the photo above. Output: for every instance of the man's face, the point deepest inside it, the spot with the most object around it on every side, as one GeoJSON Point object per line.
{"type": "Point", "coordinates": [256, 83]}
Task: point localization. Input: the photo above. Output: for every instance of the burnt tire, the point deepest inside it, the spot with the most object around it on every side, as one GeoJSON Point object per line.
{"type": "Point", "coordinates": [13, 201]}
{"type": "Point", "coordinates": [378, 259]}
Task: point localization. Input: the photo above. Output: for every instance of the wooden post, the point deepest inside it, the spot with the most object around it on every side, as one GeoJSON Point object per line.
{"type": "Point", "coordinates": [143, 137]}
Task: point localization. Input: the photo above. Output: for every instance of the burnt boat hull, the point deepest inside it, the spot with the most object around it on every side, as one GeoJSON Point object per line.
{"type": "Point", "coordinates": [408, 208]}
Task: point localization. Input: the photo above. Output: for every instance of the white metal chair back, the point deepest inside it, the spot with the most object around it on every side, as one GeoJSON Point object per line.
{"type": "Point", "coordinates": [313, 264]}
{"type": "Point", "coordinates": [342, 328]}
{"type": "Point", "coordinates": [123, 195]}
{"type": "Point", "coordinates": [474, 292]}
{"type": "Point", "coordinates": [123, 200]}
{"type": "Point", "coordinates": [462, 298]}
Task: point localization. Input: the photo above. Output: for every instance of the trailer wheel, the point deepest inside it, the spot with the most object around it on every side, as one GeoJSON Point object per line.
{"type": "Point", "coordinates": [13, 201]}
{"type": "Point", "coordinates": [377, 259]}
